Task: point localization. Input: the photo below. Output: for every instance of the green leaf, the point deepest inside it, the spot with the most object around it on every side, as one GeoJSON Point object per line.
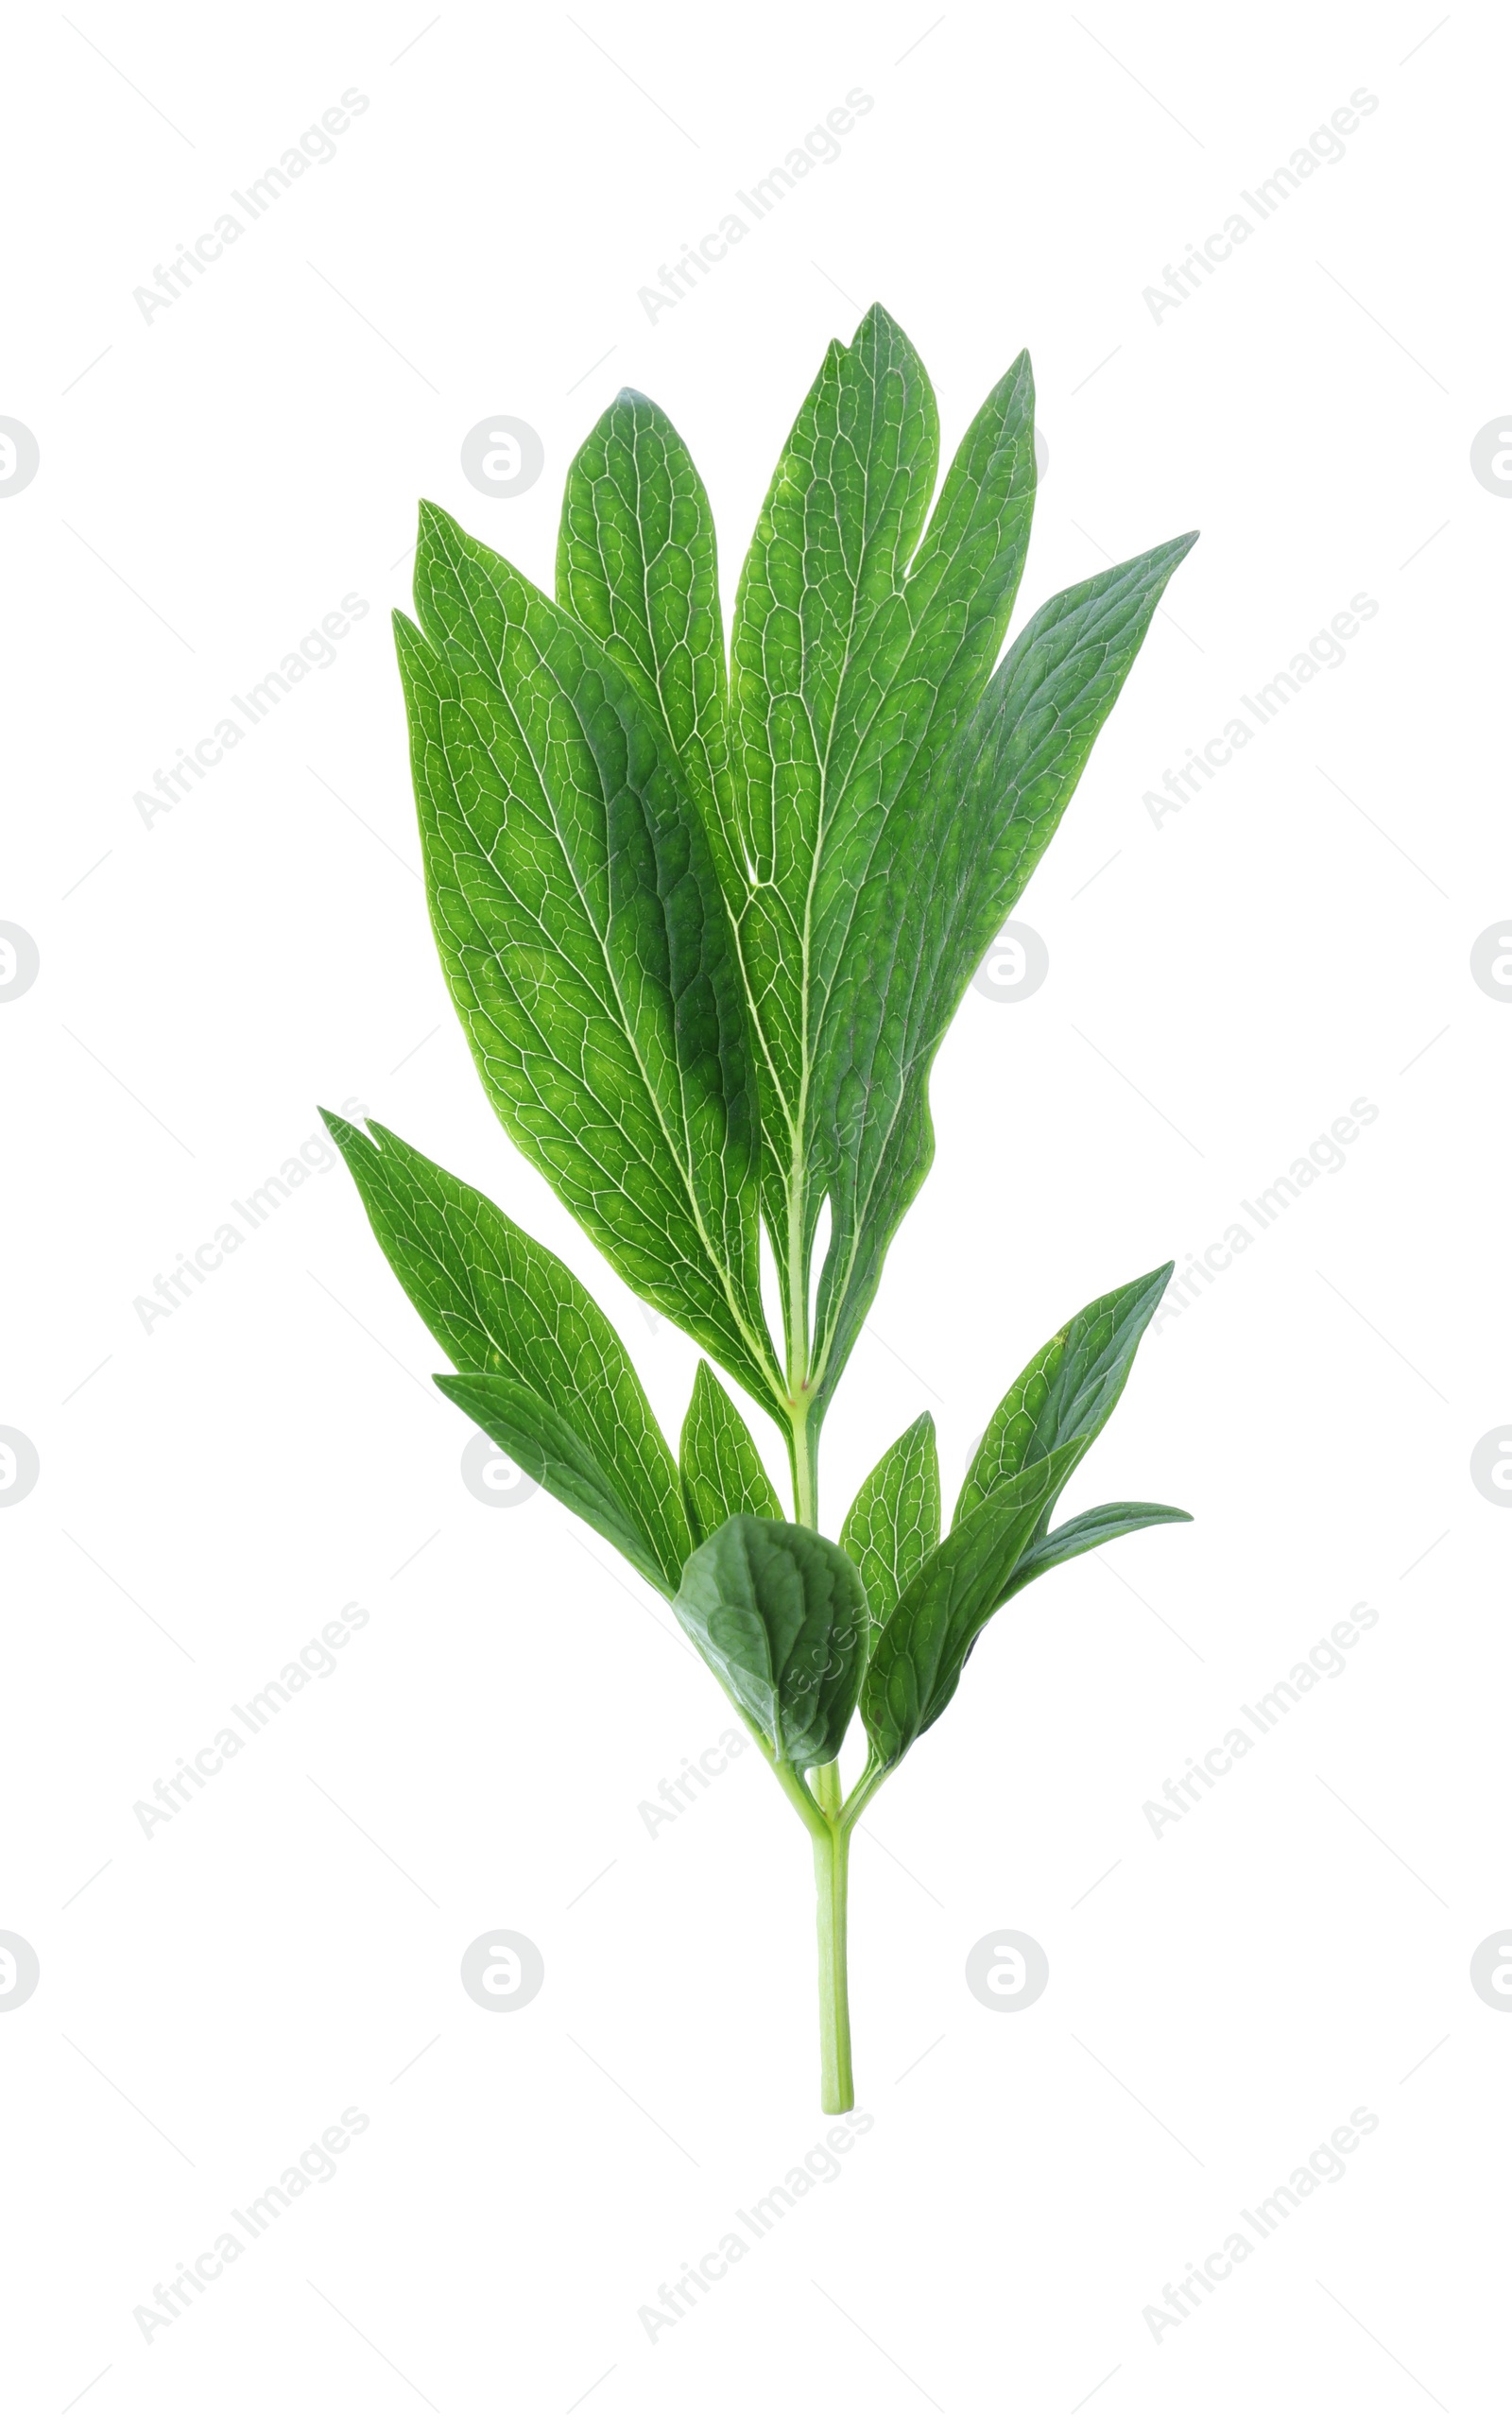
{"type": "Point", "coordinates": [585, 939]}
{"type": "Point", "coordinates": [636, 563]}
{"type": "Point", "coordinates": [916, 1664]}
{"type": "Point", "coordinates": [723, 1473]}
{"type": "Point", "coordinates": [945, 867]}
{"type": "Point", "coordinates": [859, 640]}
{"type": "Point", "coordinates": [893, 1523]}
{"type": "Point", "coordinates": [501, 1304]}
{"type": "Point", "coordinates": [551, 1449]}
{"type": "Point", "coordinates": [998, 1545]}
{"type": "Point", "coordinates": [780, 1615]}
{"type": "Point", "coordinates": [1068, 1391]}
{"type": "Point", "coordinates": [1090, 1528]}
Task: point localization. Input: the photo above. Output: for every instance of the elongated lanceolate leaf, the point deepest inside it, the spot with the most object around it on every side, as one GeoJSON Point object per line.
{"type": "Point", "coordinates": [779, 1614]}
{"type": "Point", "coordinates": [1087, 1530]}
{"type": "Point", "coordinates": [1068, 1391]}
{"type": "Point", "coordinates": [585, 939]}
{"type": "Point", "coordinates": [916, 1664]}
{"type": "Point", "coordinates": [500, 1305]}
{"type": "Point", "coordinates": [946, 870]}
{"type": "Point", "coordinates": [893, 1523]}
{"type": "Point", "coordinates": [550, 1448]}
{"type": "Point", "coordinates": [860, 638]}
{"type": "Point", "coordinates": [723, 1473]}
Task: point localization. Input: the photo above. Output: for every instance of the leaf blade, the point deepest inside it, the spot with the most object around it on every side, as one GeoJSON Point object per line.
{"type": "Point", "coordinates": [723, 1473]}
{"type": "Point", "coordinates": [1090, 1528]}
{"type": "Point", "coordinates": [1069, 1390]}
{"type": "Point", "coordinates": [856, 642]}
{"type": "Point", "coordinates": [637, 564]}
{"type": "Point", "coordinates": [585, 940]}
{"type": "Point", "coordinates": [779, 1614]}
{"type": "Point", "coordinates": [950, 867]}
{"type": "Point", "coordinates": [546, 1444]}
{"type": "Point", "coordinates": [893, 1523]}
{"type": "Point", "coordinates": [916, 1664]}
{"type": "Point", "coordinates": [497, 1300]}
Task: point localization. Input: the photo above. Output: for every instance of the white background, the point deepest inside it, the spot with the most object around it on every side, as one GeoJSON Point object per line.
{"type": "Point", "coordinates": [214, 1489]}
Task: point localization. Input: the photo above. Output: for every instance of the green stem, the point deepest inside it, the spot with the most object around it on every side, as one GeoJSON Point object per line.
{"type": "Point", "coordinates": [819, 1809]}
{"type": "Point", "coordinates": [803, 1451]}
{"type": "Point", "coordinates": [830, 1836]}
{"type": "Point", "coordinates": [832, 1853]}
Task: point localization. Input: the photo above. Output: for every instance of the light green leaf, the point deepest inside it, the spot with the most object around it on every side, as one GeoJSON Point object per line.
{"type": "Point", "coordinates": [916, 1664]}
{"type": "Point", "coordinates": [1068, 1391]}
{"type": "Point", "coordinates": [893, 1523]}
{"type": "Point", "coordinates": [550, 1448]}
{"type": "Point", "coordinates": [1090, 1528]}
{"type": "Point", "coordinates": [498, 1302]}
{"type": "Point", "coordinates": [585, 940]}
{"type": "Point", "coordinates": [722, 1470]}
{"type": "Point", "coordinates": [636, 563]}
{"type": "Point", "coordinates": [779, 1614]}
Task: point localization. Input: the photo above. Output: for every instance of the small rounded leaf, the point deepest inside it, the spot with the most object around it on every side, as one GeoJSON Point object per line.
{"type": "Point", "coordinates": [779, 1614]}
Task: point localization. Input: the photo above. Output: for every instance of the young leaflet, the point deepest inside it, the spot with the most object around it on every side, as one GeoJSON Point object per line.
{"type": "Point", "coordinates": [705, 927]}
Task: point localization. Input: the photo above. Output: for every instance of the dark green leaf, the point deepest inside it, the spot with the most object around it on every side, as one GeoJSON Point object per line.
{"type": "Point", "coordinates": [585, 939]}
{"type": "Point", "coordinates": [893, 1523]}
{"type": "Point", "coordinates": [1068, 1391]}
{"type": "Point", "coordinates": [498, 1302]}
{"type": "Point", "coordinates": [779, 1614]}
{"type": "Point", "coordinates": [915, 1666]}
{"type": "Point", "coordinates": [551, 1450]}
{"type": "Point", "coordinates": [722, 1470]}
